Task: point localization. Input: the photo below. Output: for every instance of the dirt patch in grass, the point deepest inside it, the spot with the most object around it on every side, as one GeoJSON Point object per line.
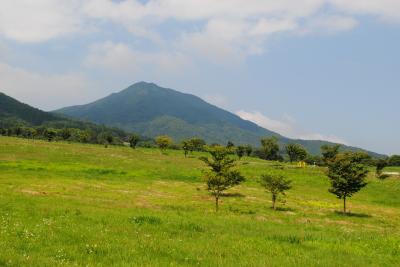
{"type": "Point", "coordinates": [33, 192]}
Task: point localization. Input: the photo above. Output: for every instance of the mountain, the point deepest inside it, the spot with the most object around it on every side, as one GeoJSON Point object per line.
{"type": "Point", "coordinates": [150, 110]}
{"type": "Point", "coordinates": [17, 114]}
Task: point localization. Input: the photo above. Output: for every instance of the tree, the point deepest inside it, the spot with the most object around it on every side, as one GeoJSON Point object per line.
{"type": "Point", "coordinates": [105, 138]}
{"type": "Point", "coordinates": [270, 148]}
{"type": "Point", "coordinates": [187, 147]}
{"type": "Point", "coordinates": [276, 185]}
{"type": "Point", "coordinates": [347, 175]}
{"type": "Point", "coordinates": [29, 133]}
{"type": "Point", "coordinates": [221, 175]}
{"type": "Point", "coordinates": [296, 152]}
{"type": "Point", "coordinates": [329, 152]}
{"type": "Point", "coordinates": [163, 142]}
{"type": "Point", "coordinates": [230, 145]}
{"type": "Point", "coordinates": [133, 140]}
{"type": "Point", "coordinates": [50, 134]}
{"type": "Point", "coordinates": [197, 144]}
{"type": "Point", "coordinates": [65, 133]}
{"type": "Point", "coordinates": [380, 165]}
{"type": "Point", "coordinates": [249, 150]}
{"type": "Point", "coordinates": [240, 151]}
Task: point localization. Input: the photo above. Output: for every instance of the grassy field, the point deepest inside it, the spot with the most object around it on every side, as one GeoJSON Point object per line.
{"type": "Point", "coordinates": [84, 205]}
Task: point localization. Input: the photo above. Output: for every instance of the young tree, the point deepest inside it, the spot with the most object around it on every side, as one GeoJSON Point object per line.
{"type": "Point", "coordinates": [133, 140]}
{"type": "Point", "coordinates": [187, 147]}
{"type": "Point", "coordinates": [240, 151]}
{"type": "Point", "coordinates": [329, 153]}
{"type": "Point", "coordinates": [380, 165]}
{"type": "Point", "coordinates": [270, 148]}
{"type": "Point", "coordinates": [296, 152]}
{"type": "Point", "coordinates": [347, 175]}
{"type": "Point", "coordinates": [221, 175]}
{"type": "Point", "coordinates": [163, 142]}
{"type": "Point", "coordinates": [276, 185]}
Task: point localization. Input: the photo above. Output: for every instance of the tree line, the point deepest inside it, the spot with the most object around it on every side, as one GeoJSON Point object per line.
{"type": "Point", "coordinates": [269, 148]}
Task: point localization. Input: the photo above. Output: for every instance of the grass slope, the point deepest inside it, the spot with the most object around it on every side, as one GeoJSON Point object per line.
{"type": "Point", "coordinates": [84, 205]}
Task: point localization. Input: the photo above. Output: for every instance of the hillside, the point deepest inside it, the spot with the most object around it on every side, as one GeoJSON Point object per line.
{"type": "Point", "coordinates": [68, 204]}
{"type": "Point", "coordinates": [17, 114]}
{"type": "Point", "coordinates": [150, 110]}
{"type": "Point", "coordinates": [12, 111]}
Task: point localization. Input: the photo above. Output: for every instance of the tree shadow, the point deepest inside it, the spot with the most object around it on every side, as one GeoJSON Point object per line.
{"type": "Point", "coordinates": [351, 214]}
{"type": "Point", "coordinates": [284, 209]}
{"type": "Point", "coordinates": [232, 195]}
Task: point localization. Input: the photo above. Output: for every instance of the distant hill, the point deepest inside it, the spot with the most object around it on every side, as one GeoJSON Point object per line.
{"type": "Point", "coordinates": [150, 110]}
{"type": "Point", "coordinates": [17, 114]}
{"type": "Point", "coordinates": [13, 110]}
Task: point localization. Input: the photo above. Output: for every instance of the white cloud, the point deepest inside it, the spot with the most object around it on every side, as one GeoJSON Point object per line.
{"type": "Point", "coordinates": [124, 59]}
{"type": "Point", "coordinates": [287, 127]}
{"type": "Point", "coordinates": [39, 20]}
{"type": "Point", "coordinates": [36, 89]}
{"type": "Point", "coordinates": [387, 10]}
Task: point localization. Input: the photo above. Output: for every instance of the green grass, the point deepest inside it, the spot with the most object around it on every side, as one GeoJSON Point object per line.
{"type": "Point", "coordinates": [84, 205]}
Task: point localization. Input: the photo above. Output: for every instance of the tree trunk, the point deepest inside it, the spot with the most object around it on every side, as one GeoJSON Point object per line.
{"type": "Point", "coordinates": [273, 202]}
{"type": "Point", "coordinates": [216, 202]}
{"type": "Point", "coordinates": [344, 204]}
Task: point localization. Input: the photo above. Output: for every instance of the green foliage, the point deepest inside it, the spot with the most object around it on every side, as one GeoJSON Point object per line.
{"type": "Point", "coordinates": [275, 184]}
{"type": "Point", "coordinates": [221, 175]}
{"type": "Point", "coordinates": [329, 153]}
{"type": "Point", "coordinates": [230, 145]}
{"type": "Point", "coordinates": [296, 152]}
{"type": "Point", "coordinates": [394, 160]}
{"type": "Point", "coordinates": [105, 138]}
{"type": "Point", "coordinates": [347, 175]}
{"type": "Point", "coordinates": [270, 148]}
{"type": "Point", "coordinates": [197, 144]}
{"type": "Point", "coordinates": [380, 165]}
{"type": "Point", "coordinates": [240, 151]}
{"type": "Point", "coordinates": [163, 142]}
{"type": "Point", "coordinates": [50, 134]}
{"type": "Point", "coordinates": [134, 140]}
{"type": "Point", "coordinates": [249, 150]}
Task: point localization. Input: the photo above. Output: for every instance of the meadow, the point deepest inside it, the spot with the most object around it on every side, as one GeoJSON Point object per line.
{"type": "Point", "coordinates": [65, 204]}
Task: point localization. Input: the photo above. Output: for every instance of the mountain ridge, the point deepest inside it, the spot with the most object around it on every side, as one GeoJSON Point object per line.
{"type": "Point", "coordinates": [151, 110]}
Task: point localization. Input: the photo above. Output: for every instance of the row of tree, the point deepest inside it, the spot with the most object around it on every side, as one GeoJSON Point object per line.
{"type": "Point", "coordinates": [269, 150]}
{"type": "Point", "coordinates": [346, 171]}
{"type": "Point", "coordinates": [64, 134]}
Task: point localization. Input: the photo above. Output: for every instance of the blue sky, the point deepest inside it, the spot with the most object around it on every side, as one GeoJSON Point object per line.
{"type": "Point", "coordinates": [311, 69]}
